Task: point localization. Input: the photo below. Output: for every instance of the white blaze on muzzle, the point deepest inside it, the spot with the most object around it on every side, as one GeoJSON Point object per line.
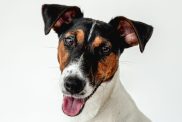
{"type": "Point", "coordinates": [74, 70]}
{"type": "Point", "coordinates": [73, 104]}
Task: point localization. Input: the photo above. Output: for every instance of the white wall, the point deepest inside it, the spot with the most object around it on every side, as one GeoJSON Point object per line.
{"type": "Point", "coordinates": [29, 73]}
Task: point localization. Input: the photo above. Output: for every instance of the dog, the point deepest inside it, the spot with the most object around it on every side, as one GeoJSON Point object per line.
{"type": "Point", "coordinates": [88, 55]}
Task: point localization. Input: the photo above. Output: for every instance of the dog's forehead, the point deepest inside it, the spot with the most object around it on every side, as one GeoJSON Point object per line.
{"type": "Point", "coordinates": [92, 27]}
{"type": "Point", "coordinates": [99, 26]}
{"type": "Point", "coordinates": [88, 21]}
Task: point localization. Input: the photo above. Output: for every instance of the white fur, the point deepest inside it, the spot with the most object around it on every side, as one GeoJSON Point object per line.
{"type": "Point", "coordinates": [110, 103]}
{"type": "Point", "coordinates": [74, 69]}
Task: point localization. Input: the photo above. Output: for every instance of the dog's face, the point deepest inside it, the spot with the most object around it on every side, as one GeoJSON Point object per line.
{"type": "Point", "coordinates": [89, 50]}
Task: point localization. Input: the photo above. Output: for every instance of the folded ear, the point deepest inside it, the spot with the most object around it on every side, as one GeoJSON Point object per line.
{"type": "Point", "coordinates": [59, 17]}
{"type": "Point", "coordinates": [134, 32]}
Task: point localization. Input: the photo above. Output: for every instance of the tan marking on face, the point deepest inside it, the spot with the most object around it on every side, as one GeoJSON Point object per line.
{"type": "Point", "coordinates": [63, 55]}
{"type": "Point", "coordinates": [80, 36]}
{"type": "Point", "coordinates": [107, 67]}
{"type": "Point", "coordinates": [79, 33]}
{"type": "Point", "coordinates": [98, 41]}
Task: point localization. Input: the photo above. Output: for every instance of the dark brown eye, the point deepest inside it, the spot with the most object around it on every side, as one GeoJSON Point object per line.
{"type": "Point", "coordinates": [70, 40]}
{"type": "Point", "coordinates": [106, 49]}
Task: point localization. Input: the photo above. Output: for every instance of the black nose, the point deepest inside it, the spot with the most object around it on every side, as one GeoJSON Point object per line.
{"type": "Point", "coordinates": [74, 85]}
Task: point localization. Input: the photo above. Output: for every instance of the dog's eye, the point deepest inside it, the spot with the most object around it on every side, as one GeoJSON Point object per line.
{"type": "Point", "coordinates": [106, 49]}
{"type": "Point", "coordinates": [70, 40]}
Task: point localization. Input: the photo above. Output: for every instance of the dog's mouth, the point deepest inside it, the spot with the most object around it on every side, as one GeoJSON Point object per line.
{"type": "Point", "coordinates": [72, 106]}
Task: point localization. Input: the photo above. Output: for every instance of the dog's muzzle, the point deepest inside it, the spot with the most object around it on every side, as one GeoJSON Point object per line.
{"type": "Point", "coordinates": [76, 89]}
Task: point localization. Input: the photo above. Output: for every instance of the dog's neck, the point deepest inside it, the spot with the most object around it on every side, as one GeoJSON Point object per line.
{"type": "Point", "coordinates": [112, 103]}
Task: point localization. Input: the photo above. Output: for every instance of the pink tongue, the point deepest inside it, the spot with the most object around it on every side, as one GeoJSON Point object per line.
{"type": "Point", "coordinates": [72, 106]}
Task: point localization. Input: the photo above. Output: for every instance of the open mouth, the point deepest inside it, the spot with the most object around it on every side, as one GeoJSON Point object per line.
{"type": "Point", "coordinates": [72, 106]}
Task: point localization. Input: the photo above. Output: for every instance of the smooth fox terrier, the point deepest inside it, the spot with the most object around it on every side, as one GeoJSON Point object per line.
{"type": "Point", "coordinates": [88, 55]}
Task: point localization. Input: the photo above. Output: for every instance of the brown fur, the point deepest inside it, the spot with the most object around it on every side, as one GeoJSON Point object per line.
{"type": "Point", "coordinates": [63, 54]}
{"type": "Point", "coordinates": [98, 41]}
{"type": "Point", "coordinates": [107, 67]}
{"type": "Point", "coordinates": [80, 36]}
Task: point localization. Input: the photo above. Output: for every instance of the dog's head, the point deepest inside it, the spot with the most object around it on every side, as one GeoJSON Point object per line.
{"type": "Point", "coordinates": [89, 50]}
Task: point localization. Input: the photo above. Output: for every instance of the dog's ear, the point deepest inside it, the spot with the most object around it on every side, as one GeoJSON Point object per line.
{"type": "Point", "coordinates": [59, 17]}
{"type": "Point", "coordinates": [133, 32]}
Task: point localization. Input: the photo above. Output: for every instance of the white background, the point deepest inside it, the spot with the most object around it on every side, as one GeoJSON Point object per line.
{"type": "Point", "coordinates": [29, 72]}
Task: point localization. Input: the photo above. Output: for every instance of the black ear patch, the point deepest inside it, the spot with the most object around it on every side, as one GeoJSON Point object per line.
{"type": "Point", "coordinates": [134, 32]}
{"type": "Point", "coordinates": [59, 16]}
